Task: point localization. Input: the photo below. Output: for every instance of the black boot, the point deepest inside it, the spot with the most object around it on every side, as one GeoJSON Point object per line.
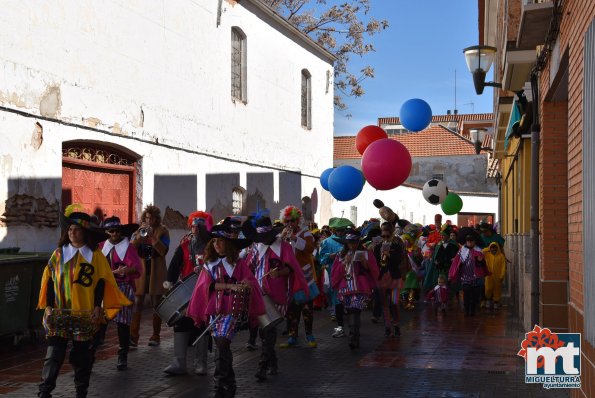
{"type": "Point", "coordinates": [54, 358]}
{"type": "Point", "coordinates": [272, 366]}
{"type": "Point", "coordinates": [224, 376]}
{"type": "Point", "coordinates": [261, 375]}
{"type": "Point", "coordinates": [229, 391]}
{"type": "Point", "coordinates": [81, 361]}
{"type": "Point", "coordinates": [269, 339]}
{"type": "Point", "coordinates": [124, 340]}
{"type": "Point", "coordinates": [122, 363]}
{"type": "Point", "coordinates": [354, 343]}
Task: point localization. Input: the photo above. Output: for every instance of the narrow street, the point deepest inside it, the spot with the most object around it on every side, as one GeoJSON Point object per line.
{"type": "Point", "coordinates": [450, 356]}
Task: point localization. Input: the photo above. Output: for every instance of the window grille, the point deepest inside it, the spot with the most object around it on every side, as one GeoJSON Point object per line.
{"type": "Point", "coordinates": [238, 65]}
{"type": "Point", "coordinates": [237, 203]}
{"type": "Point", "coordinates": [306, 99]}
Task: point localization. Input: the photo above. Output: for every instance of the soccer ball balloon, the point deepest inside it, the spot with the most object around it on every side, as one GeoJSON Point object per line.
{"type": "Point", "coordinates": [435, 191]}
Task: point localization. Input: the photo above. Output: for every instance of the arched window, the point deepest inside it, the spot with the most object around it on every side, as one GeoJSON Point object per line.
{"type": "Point", "coordinates": [237, 201]}
{"type": "Point", "coordinates": [306, 99]}
{"type": "Point", "coordinates": [238, 64]}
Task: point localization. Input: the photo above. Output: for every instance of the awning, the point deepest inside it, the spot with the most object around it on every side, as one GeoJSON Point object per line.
{"type": "Point", "coordinates": [515, 116]}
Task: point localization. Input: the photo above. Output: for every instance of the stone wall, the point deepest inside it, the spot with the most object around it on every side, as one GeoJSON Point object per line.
{"type": "Point", "coordinates": [28, 210]}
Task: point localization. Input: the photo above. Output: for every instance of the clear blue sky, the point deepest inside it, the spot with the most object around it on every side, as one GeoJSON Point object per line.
{"type": "Point", "coordinates": [416, 57]}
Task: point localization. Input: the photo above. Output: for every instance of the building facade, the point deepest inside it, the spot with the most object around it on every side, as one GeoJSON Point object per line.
{"type": "Point", "coordinates": [546, 55]}
{"type": "Point", "coordinates": [196, 105]}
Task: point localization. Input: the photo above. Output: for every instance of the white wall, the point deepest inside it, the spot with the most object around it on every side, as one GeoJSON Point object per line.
{"type": "Point", "coordinates": [109, 59]}
{"type": "Point", "coordinates": [409, 204]}
{"type": "Point", "coordinates": [99, 63]}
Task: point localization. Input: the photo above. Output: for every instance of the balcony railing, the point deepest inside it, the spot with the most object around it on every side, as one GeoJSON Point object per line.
{"type": "Point", "coordinates": [535, 21]}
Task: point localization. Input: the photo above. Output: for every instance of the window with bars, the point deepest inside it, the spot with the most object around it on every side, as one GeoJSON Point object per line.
{"type": "Point", "coordinates": [238, 64]}
{"type": "Point", "coordinates": [237, 201]}
{"type": "Point", "coordinates": [306, 99]}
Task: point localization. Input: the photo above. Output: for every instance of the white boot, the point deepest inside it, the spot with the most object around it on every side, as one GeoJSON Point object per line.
{"type": "Point", "coordinates": [178, 364]}
{"type": "Point", "coordinates": [201, 352]}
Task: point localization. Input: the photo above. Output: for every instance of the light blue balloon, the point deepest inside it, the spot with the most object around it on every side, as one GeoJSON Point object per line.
{"type": "Point", "coordinates": [346, 183]}
{"type": "Point", "coordinates": [324, 178]}
{"type": "Point", "coordinates": [415, 114]}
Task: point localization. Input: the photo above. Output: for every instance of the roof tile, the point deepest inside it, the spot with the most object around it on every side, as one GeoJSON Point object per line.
{"type": "Point", "coordinates": [433, 141]}
{"type": "Point", "coordinates": [443, 118]}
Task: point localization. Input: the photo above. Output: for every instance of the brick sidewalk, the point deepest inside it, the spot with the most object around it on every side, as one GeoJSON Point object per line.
{"type": "Point", "coordinates": [438, 357]}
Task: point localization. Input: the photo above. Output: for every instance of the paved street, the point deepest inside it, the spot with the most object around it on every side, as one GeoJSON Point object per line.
{"type": "Point", "coordinates": [435, 357]}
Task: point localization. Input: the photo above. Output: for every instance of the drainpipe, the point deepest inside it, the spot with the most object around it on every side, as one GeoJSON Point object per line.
{"type": "Point", "coordinates": [535, 142]}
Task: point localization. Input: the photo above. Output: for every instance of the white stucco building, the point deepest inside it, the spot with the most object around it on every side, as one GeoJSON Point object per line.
{"type": "Point", "coordinates": [184, 104]}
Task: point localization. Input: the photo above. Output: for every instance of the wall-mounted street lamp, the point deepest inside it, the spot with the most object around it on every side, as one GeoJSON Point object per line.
{"type": "Point", "coordinates": [479, 61]}
{"type": "Point", "coordinates": [477, 137]}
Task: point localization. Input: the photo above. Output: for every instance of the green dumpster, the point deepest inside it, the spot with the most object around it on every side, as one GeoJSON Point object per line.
{"type": "Point", "coordinates": [16, 272]}
{"type": "Point", "coordinates": [38, 265]}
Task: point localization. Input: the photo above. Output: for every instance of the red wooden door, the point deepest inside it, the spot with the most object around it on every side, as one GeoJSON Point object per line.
{"type": "Point", "coordinates": [101, 191]}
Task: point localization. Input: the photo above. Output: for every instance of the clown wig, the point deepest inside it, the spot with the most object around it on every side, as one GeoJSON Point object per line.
{"type": "Point", "coordinates": [290, 213]}
{"type": "Point", "coordinates": [201, 214]}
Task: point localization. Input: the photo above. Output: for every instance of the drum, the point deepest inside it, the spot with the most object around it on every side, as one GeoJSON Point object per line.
{"type": "Point", "coordinates": [70, 324]}
{"type": "Point", "coordinates": [271, 317]}
{"type": "Point", "coordinates": [172, 307]}
{"type": "Point", "coordinates": [240, 305]}
{"type": "Point", "coordinates": [300, 297]}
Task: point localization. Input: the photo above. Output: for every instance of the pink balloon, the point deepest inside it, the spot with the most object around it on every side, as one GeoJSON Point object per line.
{"type": "Point", "coordinates": [386, 164]}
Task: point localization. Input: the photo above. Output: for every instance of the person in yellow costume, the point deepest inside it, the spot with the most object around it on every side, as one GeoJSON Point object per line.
{"type": "Point", "coordinates": [78, 290]}
{"type": "Point", "coordinates": [496, 263]}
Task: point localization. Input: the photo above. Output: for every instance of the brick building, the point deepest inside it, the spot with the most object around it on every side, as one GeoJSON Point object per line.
{"type": "Point", "coordinates": [546, 57]}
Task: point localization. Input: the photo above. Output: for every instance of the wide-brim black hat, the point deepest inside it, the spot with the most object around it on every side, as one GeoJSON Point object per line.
{"type": "Point", "coordinates": [83, 220]}
{"type": "Point", "coordinates": [260, 229]}
{"type": "Point", "coordinates": [467, 231]}
{"type": "Point", "coordinates": [484, 226]}
{"type": "Point", "coordinates": [226, 230]}
{"type": "Point", "coordinates": [114, 223]}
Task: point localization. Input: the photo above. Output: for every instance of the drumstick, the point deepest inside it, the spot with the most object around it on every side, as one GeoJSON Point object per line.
{"type": "Point", "coordinates": [262, 277]}
{"type": "Point", "coordinates": [207, 329]}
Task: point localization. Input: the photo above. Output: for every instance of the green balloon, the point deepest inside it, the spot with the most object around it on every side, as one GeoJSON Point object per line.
{"type": "Point", "coordinates": [452, 204]}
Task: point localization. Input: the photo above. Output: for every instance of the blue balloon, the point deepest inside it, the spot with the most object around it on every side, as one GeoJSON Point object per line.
{"type": "Point", "coordinates": [324, 178]}
{"type": "Point", "coordinates": [346, 183]}
{"type": "Point", "coordinates": [415, 114]}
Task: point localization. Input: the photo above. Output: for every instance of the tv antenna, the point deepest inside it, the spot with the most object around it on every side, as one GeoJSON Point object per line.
{"type": "Point", "coordinates": [472, 106]}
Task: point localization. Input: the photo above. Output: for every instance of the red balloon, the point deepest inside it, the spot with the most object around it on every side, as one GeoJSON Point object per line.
{"type": "Point", "coordinates": [386, 164]}
{"type": "Point", "coordinates": [368, 135]}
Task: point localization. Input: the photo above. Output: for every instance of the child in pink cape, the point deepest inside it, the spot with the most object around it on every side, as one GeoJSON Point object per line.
{"type": "Point", "coordinates": [223, 279]}
{"type": "Point", "coordinates": [354, 275]}
{"type": "Point", "coordinates": [280, 276]}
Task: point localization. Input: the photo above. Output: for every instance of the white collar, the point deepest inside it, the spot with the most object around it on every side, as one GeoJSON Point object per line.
{"type": "Point", "coordinates": [229, 267]}
{"type": "Point", "coordinates": [121, 247]}
{"type": "Point", "coordinates": [275, 247]}
{"type": "Point", "coordinates": [69, 251]}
